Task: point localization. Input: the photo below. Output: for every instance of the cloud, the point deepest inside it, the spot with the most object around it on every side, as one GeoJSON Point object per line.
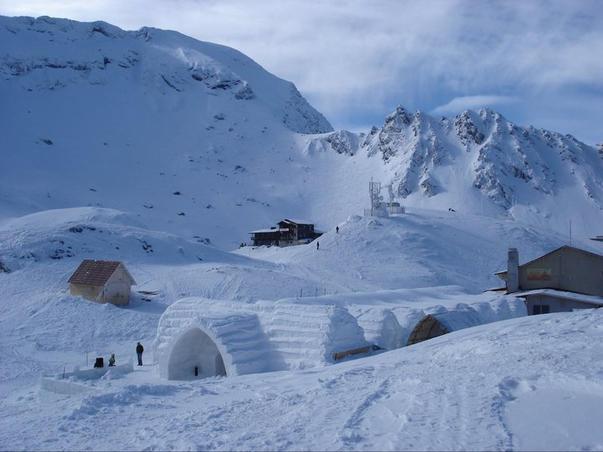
{"type": "Point", "coordinates": [355, 60]}
{"type": "Point", "coordinates": [459, 104]}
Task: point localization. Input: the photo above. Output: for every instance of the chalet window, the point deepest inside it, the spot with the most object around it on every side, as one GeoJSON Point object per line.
{"type": "Point", "coordinates": [540, 309]}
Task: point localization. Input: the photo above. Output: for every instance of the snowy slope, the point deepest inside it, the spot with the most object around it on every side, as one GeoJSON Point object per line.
{"type": "Point", "coordinates": [526, 384]}
{"type": "Point", "coordinates": [186, 134]}
{"type": "Point", "coordinates": [92, 232]}
{"type": "Point", "coordinates": [423, 248]}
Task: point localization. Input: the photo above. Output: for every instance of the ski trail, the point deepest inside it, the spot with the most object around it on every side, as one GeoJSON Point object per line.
{"type": "Point", "coordinates": [351, 434]}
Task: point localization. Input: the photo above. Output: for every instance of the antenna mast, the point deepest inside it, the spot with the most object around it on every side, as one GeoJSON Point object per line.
{"type": "Point", "coordinates": [375, 195]}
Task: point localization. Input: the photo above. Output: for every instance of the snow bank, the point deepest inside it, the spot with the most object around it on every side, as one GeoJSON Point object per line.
{"type": "Point", "coordinates": [65, 387]}
{"type": "Point", "coordinates": [68, 383]}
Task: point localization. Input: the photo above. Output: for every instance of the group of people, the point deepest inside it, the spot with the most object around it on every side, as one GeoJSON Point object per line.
{"type": "Point", "coordinates": [139, 352]}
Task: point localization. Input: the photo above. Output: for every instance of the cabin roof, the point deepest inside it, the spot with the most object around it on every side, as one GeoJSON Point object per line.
{"type": "Point", "coordinates": [263, 231]}
{"type": "Point", "coordinates": [96, 273]}
{"type": "Point", "coordinates": [292, 220]}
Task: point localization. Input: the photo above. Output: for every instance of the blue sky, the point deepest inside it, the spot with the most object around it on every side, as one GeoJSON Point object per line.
{"type": "Point", "coordinates": [537, 62]}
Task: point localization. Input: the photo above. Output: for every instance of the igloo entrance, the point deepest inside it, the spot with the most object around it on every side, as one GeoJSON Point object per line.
{"type": "Point", "coordinates": [195, 355]}
{"type": "Point", "coordinates": [428, 328]}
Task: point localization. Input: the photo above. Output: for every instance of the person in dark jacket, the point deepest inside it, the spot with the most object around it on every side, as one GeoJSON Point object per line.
{"type": "Point", "coordinates": [139, 350]}
{"type": "Point", "coordinates": [317, 246]}
{"type": "Point", "coordinates": [112, 360]}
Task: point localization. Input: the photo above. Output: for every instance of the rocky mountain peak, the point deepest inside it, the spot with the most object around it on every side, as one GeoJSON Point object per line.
{"type": "Point", "coordinates": [481, 153]}
{"type": "Point", "coordinates": [397, 120]}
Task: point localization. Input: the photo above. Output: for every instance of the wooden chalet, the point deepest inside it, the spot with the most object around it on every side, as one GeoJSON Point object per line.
{"type": "Point", "coordinates": [287, 232]}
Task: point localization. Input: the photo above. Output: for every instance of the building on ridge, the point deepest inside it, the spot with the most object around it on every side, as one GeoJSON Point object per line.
{"type": "Point", "coordinates": [287, 232]}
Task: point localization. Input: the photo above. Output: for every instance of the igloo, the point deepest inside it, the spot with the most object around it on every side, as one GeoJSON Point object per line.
{"type": "Point", "coordinates": [199, 338]}
{"type": "Point", "coordinates": [196, 339]}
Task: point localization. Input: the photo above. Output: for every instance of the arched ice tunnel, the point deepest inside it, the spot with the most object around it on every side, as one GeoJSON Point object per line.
{"type": "Point", "coordinates": [195, 355]}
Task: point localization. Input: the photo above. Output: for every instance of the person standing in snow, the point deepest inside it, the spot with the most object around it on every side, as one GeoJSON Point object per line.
{"type": "Point", "coordinates": [336, 229]}
{"type": "Point", "coordinates": [112, 360]}
{"type": "Point", "coordinates": [317, 246]}
{"type": "Point", "coordinates": [139, 350]}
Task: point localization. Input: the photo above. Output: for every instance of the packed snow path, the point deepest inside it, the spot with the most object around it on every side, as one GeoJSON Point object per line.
{"type": "Point", "coordinates": [532, 382]}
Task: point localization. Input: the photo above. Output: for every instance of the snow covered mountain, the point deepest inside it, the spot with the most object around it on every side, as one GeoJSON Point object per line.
{"type": "Point", "coordinates": [179, 132]}
{"type": "Point", "coordinates": [480, 162]}
{"type": "Point", "coordinates": [197, 139]}
{"type": "Point", "coordinates": [53, 54]}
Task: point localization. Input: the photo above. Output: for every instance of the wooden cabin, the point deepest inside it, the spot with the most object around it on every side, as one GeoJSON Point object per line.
{"type": "Point", "coordinates": [102, 281]}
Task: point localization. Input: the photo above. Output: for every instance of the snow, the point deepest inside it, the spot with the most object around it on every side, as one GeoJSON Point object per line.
{"type": "Point", "coordinates": [422, 248]}
{"type": "Point", "coordinates": [162, 152]}
{"type": "Point", "coordinates": [570, 404]}
{"type": "Point", "coordinates": [506, 385]}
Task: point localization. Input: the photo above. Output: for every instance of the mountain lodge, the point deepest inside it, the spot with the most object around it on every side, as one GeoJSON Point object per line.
{"type": "Point", "coordinates": [287, 232]}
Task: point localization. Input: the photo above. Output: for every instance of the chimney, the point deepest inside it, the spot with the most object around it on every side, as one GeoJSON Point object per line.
{"type": "Point", "coordinates": [513, 270]}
